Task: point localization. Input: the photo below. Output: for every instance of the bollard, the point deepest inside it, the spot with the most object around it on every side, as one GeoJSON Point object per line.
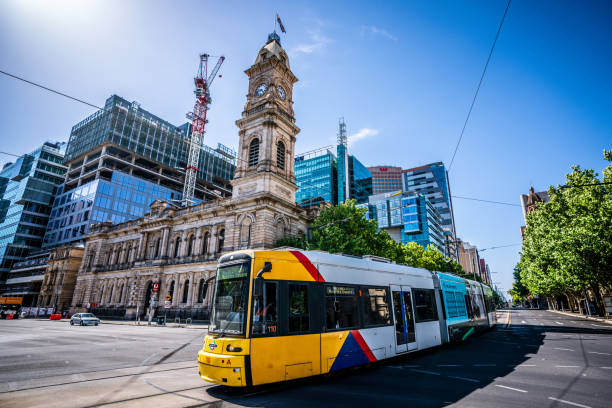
{"type": "Point", "coordinates": [188, 321]}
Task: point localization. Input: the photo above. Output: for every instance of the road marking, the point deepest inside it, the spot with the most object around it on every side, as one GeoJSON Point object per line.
{"type": "Point", "coordinates": [510, 388]}
{"type": "Point", "coordinates": [525, 365]}
{"type": "Point", "coordinates": [567, 366]}
{"type": "Point", "coordinates": [568, 402]}
{"type": "Point", "coordinates": [597, 352]}
{"type": "Point", "coordinates": [564, 349]}
{"type": "Point", "coordinates": [484, 365]}
{"type": "Point", "coordinates": [463, 378]}
{"type": "Point", "coordinates": [522, 321]}
{"type": "Point", "coordinates": [449, 365]}
{"type": "Point", "coordinates": [559, 323]}
{"type": "Point", "coordinates": [599, 325]}
{"type": "Point", "coordinates": [607, 368]}
{"type": "Point", "coordinates": [425, 372]}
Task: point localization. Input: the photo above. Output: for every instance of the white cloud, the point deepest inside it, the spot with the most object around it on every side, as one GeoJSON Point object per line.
{"type": "Point", "coordinates": [378, 31]}
{"type": "Point", "coordinates": [362, 134]}
{"type": "Point", "coordinates": [317, 42]}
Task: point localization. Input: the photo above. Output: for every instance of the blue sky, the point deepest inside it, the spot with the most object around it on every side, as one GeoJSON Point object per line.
{"type": "Point", "coordinates": [402, 74]}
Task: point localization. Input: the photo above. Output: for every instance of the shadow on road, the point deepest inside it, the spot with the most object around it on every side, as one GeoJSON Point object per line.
{"type": "Point", "coordinates": [433, 378]}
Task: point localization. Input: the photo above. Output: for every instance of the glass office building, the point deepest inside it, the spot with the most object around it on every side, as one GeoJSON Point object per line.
{"type": "Point", "coordinates": [122, 159]}
{"type": "Point", "coordinates": [315, 175]}
{"type": "Point", "coordinates": [353, 174]}
{"type": "Point", "coordinates": [27, 188]}
{"type": "Point", "coordinates": [117, 200]}
{"type": "Point", "coordinates": [385, 179]}
{"type": "Point", "coordinates": [408, 217]}
{"type": "Point", "coordinates": [431, 180]}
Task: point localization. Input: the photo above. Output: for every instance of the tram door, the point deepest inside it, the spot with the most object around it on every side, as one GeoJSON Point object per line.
{"type": "Point", "coordinates": [405, 338]}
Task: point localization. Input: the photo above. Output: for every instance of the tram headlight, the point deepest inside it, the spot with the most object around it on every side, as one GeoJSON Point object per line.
{"type": "Point", "coordinates": [233, 349]}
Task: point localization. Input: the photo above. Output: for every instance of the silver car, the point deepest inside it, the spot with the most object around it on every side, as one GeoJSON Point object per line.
{"type": "Point", "coordinates": [84, 319]}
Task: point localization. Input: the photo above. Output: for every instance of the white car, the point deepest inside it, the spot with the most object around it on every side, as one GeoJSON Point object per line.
{"type": "Point", "coordinates": [84, 319]}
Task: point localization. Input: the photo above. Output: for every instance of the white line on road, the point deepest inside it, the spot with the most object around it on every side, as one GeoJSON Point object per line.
{"type": "Point", "coordinates": [510, 388]}
{"type": "Point", "coordinates": [559, 323]}
{"type": "Point", "coordinates": [463, 378]}
{"type": "Point", "coordinates": [564, 349]}
{"type": "Point", "coordinates": [567, 366]}
{"type": "Point", "coordinates": [526, 365]}
{"type": "Point", "coordinates": [568, 402]}
{"type": "Point", "coordinates": [522, 321]}
{"type": "Point", "coordinates": [484, 365]}
{"type": "Point", "coordinates": [597, 352]}
{"type": "Point", "coordinates": [425, 372]}
{"type": "Point", "coordinates": [599, 325]}
{"type": "Point", "coordinates": [606, 368]}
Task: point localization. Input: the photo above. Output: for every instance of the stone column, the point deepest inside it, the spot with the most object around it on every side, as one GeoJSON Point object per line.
{"type": "Point", "coordinates": [190, 292]}
{"type": "Point", "coordinates": [184, 244]}
{"type": "Point", "coordinates": [212, 245]}
{"type": "Point", "coordinates": [142, 246]}
{"type": "Point", "coordinates": [178, 286]}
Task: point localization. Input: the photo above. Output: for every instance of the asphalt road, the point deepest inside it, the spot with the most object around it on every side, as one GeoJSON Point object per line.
{"type": "Point", "coordinates": [541, 359]}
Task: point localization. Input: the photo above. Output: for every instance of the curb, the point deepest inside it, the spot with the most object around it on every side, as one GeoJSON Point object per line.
{"type": "Point", "coordinates": [597, 319]}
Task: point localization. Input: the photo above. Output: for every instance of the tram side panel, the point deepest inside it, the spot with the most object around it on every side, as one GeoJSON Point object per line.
{"type": "Point", "coordinates": [454, 295]}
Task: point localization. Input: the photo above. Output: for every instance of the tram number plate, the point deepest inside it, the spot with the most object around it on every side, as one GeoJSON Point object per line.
{"type": "Point", "coordinates": [271, 329]}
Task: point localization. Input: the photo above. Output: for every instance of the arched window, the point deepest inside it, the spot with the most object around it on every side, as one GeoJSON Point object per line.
{"type": "Point", "coordinates": [203, 288]}
{"type": "Point", "coordinates": [190, 246]}
{"type": "Point", "coordinates": [129, 254]}
{"type": "Point", "coordinates": [280, 229]}
{"type": "Point", "coordinates": [245, 232]}
{"type": "Point", "coordinates": [110, 293]}
{"type": "Point", "coordinates": [186, 291]}
{"type": "Point", "coordinates": [119, 293]}
{"type": "Point", "coordinates": [157, 245]}
{"type": "Point", "coordinates": [177, 245]}
{"type": "Point", "coordinates": [206, 243]}
{"type": "Point", "coordinates": [221, 240]}
{"type": "Point", "coordinates": [171, 290]}
{"type": "Point", "coordinates": [254, 152]}
{"type": "Point", "coordinates": [280, 155]}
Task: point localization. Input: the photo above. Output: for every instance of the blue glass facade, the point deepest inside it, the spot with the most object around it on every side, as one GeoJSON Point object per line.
{"type": "Point", "coordinates": [316, 180]}
{"type": "Point", "coordinates": [27, 188]}
{"type": "Point", "coordinates": [122, 198]}
{"type": "Point", "coordinates": [411, 215]}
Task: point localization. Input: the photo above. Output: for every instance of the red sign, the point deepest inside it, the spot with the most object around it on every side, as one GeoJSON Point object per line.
{"type": "Point", "coordinates": [155, 286]}
{"type": "Point", "coordinates": [384, 169]}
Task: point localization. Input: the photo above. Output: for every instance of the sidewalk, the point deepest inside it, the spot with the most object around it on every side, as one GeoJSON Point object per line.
{"type": "Point", "coordinates": [197, 325]}
{"type": "Point", "coordinates": [598, 319]}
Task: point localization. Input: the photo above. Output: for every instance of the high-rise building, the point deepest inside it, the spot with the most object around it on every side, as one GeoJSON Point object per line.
{"type": "Point", "coordinates": [119, 161]}
{"type": "Point", "coordinates": [385, 179]}
{"type": "Point", "coordinates": [316, 176]}
{"type": "Point", "coordinates": [27, 188]}
{"type": "Point", "coordinates": [408, 217]}
{"type": "Point", "coordinates": [354, 179]}
{"type": "Point", "coordinates": [468, 258]}
{"type": "Point", "coordinates": [431, 180]}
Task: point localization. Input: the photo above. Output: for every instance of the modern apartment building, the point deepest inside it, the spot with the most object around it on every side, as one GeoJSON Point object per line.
{"type": "Point", "coordinates": [385, 179]}
{"type": "Point", "coordinates": [469, 258]}
{"type": "Point", "coordinates": [431, 180]}
{"type": "Point", "coordinates": [408, 217]}
{"type": "Point", "coordinates": [122, 159]}
{"type": "Point", "coordinates": [27, 188]}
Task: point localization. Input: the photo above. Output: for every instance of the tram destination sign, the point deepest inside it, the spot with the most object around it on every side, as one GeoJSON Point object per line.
{"type": "Point", "coordinates": [232, 272]}
{"type": "Point", "coordinates": [340, 291]}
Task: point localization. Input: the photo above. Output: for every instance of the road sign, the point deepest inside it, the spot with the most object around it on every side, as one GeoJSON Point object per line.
{"type": "Point", "coordinates": [155, 286]}
{"type": "Point", "coordinates": [168, 297]}
{"type": "Point", "coordinates": [167, 304]}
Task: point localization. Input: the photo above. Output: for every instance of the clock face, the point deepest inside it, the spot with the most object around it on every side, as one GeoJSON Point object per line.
{"type": "Point", "coordinates": [261, 89]}
{"type": "Point", "coordinates": [281, 92]}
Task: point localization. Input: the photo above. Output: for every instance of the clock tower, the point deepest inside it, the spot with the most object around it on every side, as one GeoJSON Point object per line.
{"type": "Point", "coordinates": [267, 128]}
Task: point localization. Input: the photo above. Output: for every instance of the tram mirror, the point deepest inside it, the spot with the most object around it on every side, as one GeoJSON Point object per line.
{"type": "Point", "coordinates": [258, 284]}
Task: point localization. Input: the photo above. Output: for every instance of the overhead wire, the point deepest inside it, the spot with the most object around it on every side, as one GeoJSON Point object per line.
{"type": "Point", "coordinates": [484, 71]}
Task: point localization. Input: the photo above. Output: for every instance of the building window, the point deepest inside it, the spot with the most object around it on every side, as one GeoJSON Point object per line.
{"type": "Point", "coordinates": [280, 155]}
{"type": "Point", "coordinates": [202, 290]}
{"type": "Point", "coordinates": [157, 245]}
{"type": "Point", "coordinates": [186, 291]}
{"type": "Point", "coordinates": [177, 245]}
{"type": "Point", "coordinates": [221, 240]}
{"type": "Point", "coordinates": [254, 152]}
{"type": "Point", "coordinates": [206, 243]}
{"type": "Point", "coordinates": [190, 246]}
{"type": "Point", "coordinates": [245, 232]}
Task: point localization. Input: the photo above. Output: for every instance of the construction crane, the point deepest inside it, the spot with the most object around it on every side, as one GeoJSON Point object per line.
{"type": "Point", "coordinates": [202, 81]}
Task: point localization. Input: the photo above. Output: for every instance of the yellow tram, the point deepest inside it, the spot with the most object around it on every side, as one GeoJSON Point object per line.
{"type": "Point", "coordinates": [286, 314]}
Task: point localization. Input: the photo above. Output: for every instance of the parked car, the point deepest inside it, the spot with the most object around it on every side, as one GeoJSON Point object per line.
{"type": "Point", "coordinates": [84, 319]}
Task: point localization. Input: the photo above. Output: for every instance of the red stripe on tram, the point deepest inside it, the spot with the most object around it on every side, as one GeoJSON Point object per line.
{"type": "Point", "coordinates": [363, 345]}
{"type": "Point", "coordinates": [312, 270]}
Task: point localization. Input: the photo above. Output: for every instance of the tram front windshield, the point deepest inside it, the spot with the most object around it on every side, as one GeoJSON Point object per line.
{"type": "Point", "coordinates": [230, 302]}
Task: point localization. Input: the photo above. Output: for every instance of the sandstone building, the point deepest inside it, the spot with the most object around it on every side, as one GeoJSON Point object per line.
{"type": "Point", "coordinates": [174, 250]}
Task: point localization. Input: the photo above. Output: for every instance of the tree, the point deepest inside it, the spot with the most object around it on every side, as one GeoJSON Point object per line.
{"type": "Point", "coordinates": [568, 241]}
{"type": "Point", "coordinates": [344, 229]}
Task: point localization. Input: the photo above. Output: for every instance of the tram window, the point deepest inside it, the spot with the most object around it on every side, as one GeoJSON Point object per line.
{"type": "Point", "coordinates": [265, 316]}
{"type": "Point", "coordinates": [299, 319]}
{"type": "Point", "coordinates": [341, 307]}
{"type": "Point", "coordinates": [468, 305]}
{"type": "Point", "coordinates": [425, 305]}
{"type": "Point", "coordinates": [376, 307]}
